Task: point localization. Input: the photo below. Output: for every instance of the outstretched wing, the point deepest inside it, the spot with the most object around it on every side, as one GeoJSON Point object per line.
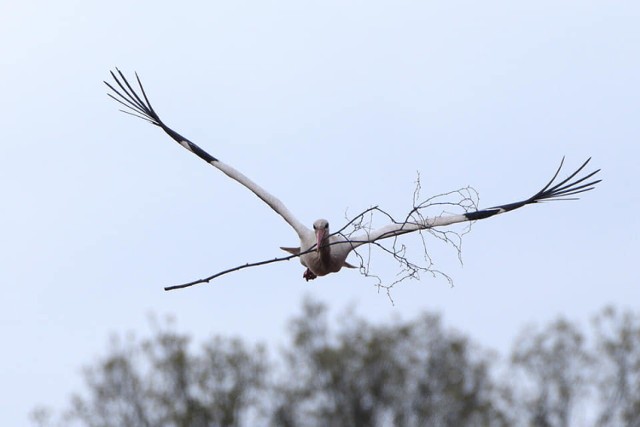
{"type": "Point", "coordinates": [564, 190]}
{"type": "Point", "coordinates": [141, 107]}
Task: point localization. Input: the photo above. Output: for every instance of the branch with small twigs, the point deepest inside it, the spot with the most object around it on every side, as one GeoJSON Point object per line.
{"type": "Point", "coordinates": [465, 199]}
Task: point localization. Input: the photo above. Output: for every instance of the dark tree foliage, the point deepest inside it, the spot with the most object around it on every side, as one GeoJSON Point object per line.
{"type": "Point", "coordinates": [618, 340]}
{"type": "Point", "coordinates": [161, 381]}
{"type": "Point", "coordinates": [406, 373]}
{"type": "Point", "coordinates": [555, 363]}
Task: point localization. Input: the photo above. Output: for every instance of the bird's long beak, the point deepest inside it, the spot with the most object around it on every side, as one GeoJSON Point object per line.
{"type": "Point", "coordinates": [319, 238]}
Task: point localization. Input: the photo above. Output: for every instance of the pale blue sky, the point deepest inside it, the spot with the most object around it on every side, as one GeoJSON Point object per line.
{"type": "Point", "coordinates": [329, 105]}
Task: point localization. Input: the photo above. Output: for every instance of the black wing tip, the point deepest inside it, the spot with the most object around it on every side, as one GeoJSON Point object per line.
{"type": "Point", "coordinates": [572, 185]}
{"type": "Point", "coordinates": [129, 98]}
{"type": "Point", "coordinates": [140, 106]}
{"type": "Point", "coordinates": [560, 191]}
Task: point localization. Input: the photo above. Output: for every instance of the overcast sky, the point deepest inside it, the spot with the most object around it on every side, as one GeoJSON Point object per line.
{"type": "Point", "coordinates": [330, 106]}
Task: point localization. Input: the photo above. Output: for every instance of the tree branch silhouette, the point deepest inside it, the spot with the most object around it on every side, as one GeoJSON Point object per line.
{"type": "Point", "coordinates": [463, 200]}
{"type": "Point", "coordinates": [467, 200]}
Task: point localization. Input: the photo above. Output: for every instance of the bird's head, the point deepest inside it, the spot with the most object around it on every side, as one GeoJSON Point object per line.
{"type": "Point", "coordinates": [321, 229]}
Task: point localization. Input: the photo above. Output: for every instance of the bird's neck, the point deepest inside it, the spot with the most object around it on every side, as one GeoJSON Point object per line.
{"type": "Point", "coordinates": [325, 251]}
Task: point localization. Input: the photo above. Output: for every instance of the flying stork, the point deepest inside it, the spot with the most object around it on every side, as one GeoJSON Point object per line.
{"type": "Point", "coordinates": [320, 251]}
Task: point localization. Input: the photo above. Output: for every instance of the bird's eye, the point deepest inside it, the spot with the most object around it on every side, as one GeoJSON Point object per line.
{"type": "Point", "coordinates": [326, 226]}
{"type": "Point", "coordinates": [314, 227]}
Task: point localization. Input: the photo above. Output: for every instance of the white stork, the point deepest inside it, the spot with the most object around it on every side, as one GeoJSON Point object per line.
{"type": "Point", "coordinates": [322, 252]}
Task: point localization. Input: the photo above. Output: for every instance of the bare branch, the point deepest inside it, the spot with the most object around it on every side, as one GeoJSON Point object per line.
{"type": "Point", "coordinates": [363, 222]}
{"type": "Point", "coordinates": [463, 200]}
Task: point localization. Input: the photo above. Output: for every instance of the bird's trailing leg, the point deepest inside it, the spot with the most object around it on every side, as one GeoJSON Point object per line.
{"type": "Point", "coordinates": [309, 275]}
